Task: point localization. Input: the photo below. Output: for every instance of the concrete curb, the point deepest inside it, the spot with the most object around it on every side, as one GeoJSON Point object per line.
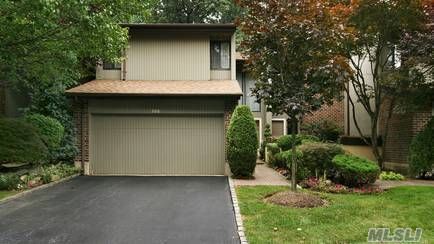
{"type": "Point", "coordinates": [238, 218]}
{"type": "Point", "coordinates": [21, 194]}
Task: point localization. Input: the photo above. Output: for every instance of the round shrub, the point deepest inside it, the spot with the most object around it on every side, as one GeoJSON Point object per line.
{"type": "Point", "coordinates": [49, 129]}
{"type": "Point", "coordinates": [317, 156]}
{"type": "Point", "coordinates": [272, 150]}
{"type": "Point", "coordinates": [326, 130]}
{"type": "Point", "coordinates": [285, 142]}
{"type": "Point", "coordinates": [9, 182]}
{"type": "Point", "coordinates": [421, 156]}
{"type": "Point", "coordinates": [302, 172]}
{"type": "Point", "coordinates": [20, 143]}
{"type": "Point", "coordinates": [354, 171]}
{"type": "Point", "coordinates": [242, 142]}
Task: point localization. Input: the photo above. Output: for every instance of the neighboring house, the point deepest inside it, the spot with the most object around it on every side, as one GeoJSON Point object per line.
{"type": "Point", "coordinates": [278, 124]}
{"type": "Point", "coordinates": [164, 110]}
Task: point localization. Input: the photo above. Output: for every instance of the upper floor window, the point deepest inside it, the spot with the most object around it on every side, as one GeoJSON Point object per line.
{"type": "Point", "coordinates": [220, 55]}
{"type": "Point", "coordinates": [111, 66]}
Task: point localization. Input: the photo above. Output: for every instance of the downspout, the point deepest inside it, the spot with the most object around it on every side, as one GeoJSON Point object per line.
{"type": "Point", "coordinates": [81, 136]}
{"type": "Point", "coordinates": [124, 66]}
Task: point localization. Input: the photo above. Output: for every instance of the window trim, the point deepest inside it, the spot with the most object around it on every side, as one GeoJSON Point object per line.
{"type": "Point", "coordinates": [211, 52]}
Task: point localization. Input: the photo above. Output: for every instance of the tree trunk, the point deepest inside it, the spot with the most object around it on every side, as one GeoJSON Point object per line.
{"type": "Point", "coordinates": [293, 155]}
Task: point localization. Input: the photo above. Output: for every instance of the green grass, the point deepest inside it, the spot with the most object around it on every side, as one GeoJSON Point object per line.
{"type": "Point", "coordinates": [4, 194]}
{"type": "Point", "coordinates": [346, 220]}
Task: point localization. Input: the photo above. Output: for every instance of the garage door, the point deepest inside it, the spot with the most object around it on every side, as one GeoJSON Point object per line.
{"type": "Point", "coordinates": [157, 145]}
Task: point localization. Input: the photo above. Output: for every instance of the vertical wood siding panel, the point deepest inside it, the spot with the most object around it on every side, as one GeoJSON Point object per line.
{"type": "Point", "coordinates": [168, 58]}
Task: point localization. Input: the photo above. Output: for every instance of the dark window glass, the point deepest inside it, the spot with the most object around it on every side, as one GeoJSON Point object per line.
{"type": "Point", "coordinates": [220, 55]}
{"type": "Point", "coordinates": [108, 66]}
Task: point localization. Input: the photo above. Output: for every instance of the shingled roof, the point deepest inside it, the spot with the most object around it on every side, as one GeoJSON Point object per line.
{"type": "Point", "coordinates": [157, 88]}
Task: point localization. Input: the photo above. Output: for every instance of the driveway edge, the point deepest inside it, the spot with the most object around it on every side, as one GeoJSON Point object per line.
{"type": "Point", "coordinates": [238, 218]}
{"type": "Point", "coordinates": [18, 195]}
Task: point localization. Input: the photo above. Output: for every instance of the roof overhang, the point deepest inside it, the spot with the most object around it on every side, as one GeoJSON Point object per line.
{"type": "Point", "coordinates": [157, 88]}
{"type": "Point", "coordinates": [182, 27]}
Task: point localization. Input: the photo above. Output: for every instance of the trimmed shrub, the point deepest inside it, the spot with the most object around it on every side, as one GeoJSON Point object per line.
{"type": "Point", "coordinates": [326, 130]}
{"type": "Point", "coordinates": [20, 143]}
{"type": "Point", "coordinates": [242, 142]}
{"type": "Point", "coordinates": [354, 171]}
{"type": "Point", "coordinates": [285, 142]}
{"type": "Point", "coordinates": [421, 156]}
{"type": "Point", "coordinates": [391, 176]}
{"type": "Point", "coordinates": [9, 182]}
{"type": "Point", "coordinates": [302, 172]}
{"type": "Point", "coordinates": [49, 129]}
{"type": "Point", "coordinates": [317, 156]}
{"type": "Point", "coordinates": [272, 150]}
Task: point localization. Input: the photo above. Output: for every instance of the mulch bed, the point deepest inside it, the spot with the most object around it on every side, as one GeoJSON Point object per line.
{"type": "Point", "coordinates": [296, 199]}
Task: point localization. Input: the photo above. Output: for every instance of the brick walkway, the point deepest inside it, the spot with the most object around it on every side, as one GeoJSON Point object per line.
{"type": "Point", "coordinates": [386, 184]}
{"type": "Point", "coordinates": [264, 176]}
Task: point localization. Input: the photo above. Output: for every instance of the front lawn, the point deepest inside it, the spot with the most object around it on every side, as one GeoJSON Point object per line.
{"type": "Point", "coordinates": [4, 194]}
{"type": "Point", "coordinates": [346, 220]}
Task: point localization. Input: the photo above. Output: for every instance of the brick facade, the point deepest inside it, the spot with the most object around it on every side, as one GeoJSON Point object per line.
{"type": "Point", "coordinates": [81, 121]}
{"type": "Point", "coordinates": [334, 112]}
{"type": "Point", "coordinates": [402, 129]}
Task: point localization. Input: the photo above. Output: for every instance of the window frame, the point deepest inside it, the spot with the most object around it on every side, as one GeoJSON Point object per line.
{"type": "Point", "coordinates": [211, 45]}
{"type": "Point", "coordinates": [111, 66]}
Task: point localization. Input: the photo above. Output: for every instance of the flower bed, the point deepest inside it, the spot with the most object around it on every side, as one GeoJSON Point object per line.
{"type": "Point", "coordinates": [35, 177]}
{"type": "Point", "coordinates": [320, 185]}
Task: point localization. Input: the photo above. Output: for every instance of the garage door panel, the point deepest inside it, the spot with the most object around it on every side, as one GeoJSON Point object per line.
{"type": "Point", "coordinates": [157, 145]}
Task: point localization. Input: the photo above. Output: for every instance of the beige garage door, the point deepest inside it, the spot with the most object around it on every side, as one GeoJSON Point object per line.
{"type": "Point", "coordinates": [157, 145]}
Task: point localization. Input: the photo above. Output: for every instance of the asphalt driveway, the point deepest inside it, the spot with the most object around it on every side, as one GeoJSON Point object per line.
{"type": "Point", "coordinates": [123, 210]}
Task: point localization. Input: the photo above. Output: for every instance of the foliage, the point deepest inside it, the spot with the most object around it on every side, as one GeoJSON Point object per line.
{"type": "Point", "coordinates": [242, 142]}
{"type": "Point", "coordinates": [50, 130]}
{"type": "Point", "coordinates": [9, 181]}
{"type": "Point", "coordinates": [322, 185]}
{"type": "Point", "coordinates": [20, 143]}
{"type": "Point", "coordinates": [50, 100]}
{"type": "Point", "coordinates": [272, 150]}
{"type": "Point", "coordinates": [317, 157]}
{"type": "Point", "coordinates": [375, 36]}
{"type": "Point", "coordinates": [37, 176]}
{"type": "Point", "coordinates": [326, 130]}
{"type": "Point", "coordinates": [354, 171]}
{"type": "Point", "coordinates": [286, 142]}
{"type": "Point", "coordinates": [268, 139]}
{"type": "Point", "coordinates": [284, 160]}
{"type": "Point", "coordinates": [390, 175]}
{"type": "Point", "coordinates": [194, 11]}
{"type": "Point", "coordinates": [48, 46]}
{"type": "Point", "coordinates": [347, 215]}
{"type": "Point", "coordinates": [291, 50]}
{"type": "Point", "coordinates": [421, 156]}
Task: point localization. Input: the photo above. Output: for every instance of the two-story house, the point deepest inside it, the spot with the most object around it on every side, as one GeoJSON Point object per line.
{"type": "Point", "coordinates": [165, 109]}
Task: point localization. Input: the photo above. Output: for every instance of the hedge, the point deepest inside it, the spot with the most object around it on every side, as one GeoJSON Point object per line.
{"type": "Point", "coordinates": [421, 155]}
{"type": "Point", "coordinates": [242, 142]}
{"type": "Point", "coordinates": [354, 171]}
{"type": "Point", "coordinates": [317, 156]}
{"type": "Point", "coordinates": [20, 143]}
{"type": "Point", "coordinates": [285, 142]}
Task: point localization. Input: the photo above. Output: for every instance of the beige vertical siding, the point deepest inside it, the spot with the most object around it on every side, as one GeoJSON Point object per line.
{"type": "Point", "coordinates": [220, 75]}
{"type": "Point", "coordinates": [157, 145]}
{"type": "Point", "coordinates": [168, 57]}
